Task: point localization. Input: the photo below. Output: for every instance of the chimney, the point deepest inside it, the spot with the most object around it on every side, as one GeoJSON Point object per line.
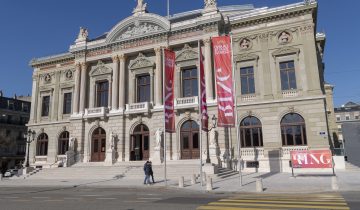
{"type": "Point", "coordinates": [1, 93]}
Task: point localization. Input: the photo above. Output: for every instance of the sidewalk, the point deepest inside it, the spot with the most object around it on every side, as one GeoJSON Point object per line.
{"type": "Point", "coordinates": [273, 183]}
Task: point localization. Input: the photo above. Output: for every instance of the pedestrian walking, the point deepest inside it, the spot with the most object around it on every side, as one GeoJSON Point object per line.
{"type": "Point", "coordinates": [147, 170]}
{"type": "Point", "coordinates": [151, 173]}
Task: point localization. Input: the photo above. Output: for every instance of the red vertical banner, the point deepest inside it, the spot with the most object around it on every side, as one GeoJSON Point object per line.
{"type": "Point", "coordinates": [203, 104]}
{"type": "Point", "coordinates": [169, 60]}
{"type": "Point", "coordinates": [224, 81]}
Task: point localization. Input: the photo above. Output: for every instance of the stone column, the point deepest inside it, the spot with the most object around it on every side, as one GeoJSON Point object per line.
{"type": "Point", "coordinates": [208, 69]}
{"type": "Point", "coordinates": [77, 89]}
{"type": "Point", "coordinates": [83, 87]}
{"type": "Point", "coordinates": [115, 84]}
{"type": "Point", "coordinates": [132, 88]}
{"type": "Point", "coordinates": [178, 85]}
{"type": "Point", "coordinates": [122, 82]}
{"type": "Point", "coordinates": [158, 77]}
{"type": "Point", "coordinates": [34, 101]}
{"type": "Point", "coordinates": [56, 99]}
{"type": "Point", "coordinates": [152, 87]}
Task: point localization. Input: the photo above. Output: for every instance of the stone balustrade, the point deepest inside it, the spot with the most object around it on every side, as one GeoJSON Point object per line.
{"type": "Point", "coordinates": [96, 112]}
{"type": "Point", "coordinates": [186, 102]}
{"type": "Point", "coordinates": [252, 153]}
{"type": "Point", "coordinates": [248, 98]}
{"type": "Point", "coordinates": [285, 151]}
{"type": "Point", "coordinates": [290, 93]}
{"type": "Point", "coordinates": [143, 107]}
{"type": "Point", "coordinates": [40, 159]}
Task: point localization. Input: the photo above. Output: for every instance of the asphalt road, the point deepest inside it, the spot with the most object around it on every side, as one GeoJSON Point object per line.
{"type": "Point", "coordinates": [158, 198]}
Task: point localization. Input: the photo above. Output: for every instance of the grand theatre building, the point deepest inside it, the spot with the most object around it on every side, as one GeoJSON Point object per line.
{"type": "Point", "coordinates": [103, 99]}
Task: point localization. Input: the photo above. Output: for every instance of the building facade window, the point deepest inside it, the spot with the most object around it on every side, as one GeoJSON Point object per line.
{"type": "Point", "coordinates": [287, 74]}
{"type": "Point", "coordinates": [293, 132]}
{"type": "Point", "coordinates": [251, 132]}
{"type": "Point", "coordinates": [42, 145]}
{"type": "Point", "coordinates": [143, 88]}
{"type": "Point", "coordinates": [338, 118]}
{"type": "Point", "coordinates": [347, 117]}
{"type": "Point", "coordinates": [63, 146]}
{"type": "Point", "coordinates": [189, 140]}
{"type": "Point", "coordinates": [102, 94]}
{"type": "Point", "coordinates": [45, 106]}
{"type": "Point", "coordinates": [67, 103]}
{"type": "Point", "coordinates": [189, 82]}
{"type": "Point", "coordinates": [247, 80]}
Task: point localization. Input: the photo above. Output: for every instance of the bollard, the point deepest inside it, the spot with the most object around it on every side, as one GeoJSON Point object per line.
{"type": "Point", "coordinates": [204, 177]}
{"type": "Point", "coordinates": [193, 179]}
{"type": "Point", "coordinates": [181, 182]}
{"type": "Point", "coordinates": [259, 185]}
{"type": "Point", "coordinates": [1, 176]}
{"type": "Point", "coordinates": [209, 186]}
{"type": "Point", "coordinates": [334, 183]}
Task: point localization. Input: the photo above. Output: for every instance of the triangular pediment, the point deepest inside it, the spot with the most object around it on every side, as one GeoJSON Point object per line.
{"type": "Point", "coordinates": [141, 62]}
{"type": "Point", "coordinates": [187, 53]}
{"type": "Point", "coordinates": [138, 26]}
{"type": "Point", "coordinates": [100, 69]}
{"type": "Point", "coordinates": [286, 51]}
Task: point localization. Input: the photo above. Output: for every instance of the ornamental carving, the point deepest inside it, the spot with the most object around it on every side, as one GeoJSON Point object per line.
{"type": "Point", "coordinates": [286, 51]}
{"type": "Point", "coordinates": [139, 29]}
{"type": "Point", "coordinates": [245, 44]}
{"type": "Point", "coordinates": [69, 74]}
{"type": "Point", "coordinates": [100, 69]}
{"type": "Point", "coordinates": [47, 78]}
{"type": "Point", "coordinates": [187, 53]}
{"type": "Point", "coordinates": [284, 37]}
{"type": "Point", "coordinates": [246, 57]}
{"type": "Point", "coordinates": [141, 62]}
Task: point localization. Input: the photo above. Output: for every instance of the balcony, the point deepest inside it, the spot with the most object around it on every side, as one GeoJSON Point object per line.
{"type": "Point", "coordinates": [248, 98]}
{"type": "Point", "coordinates": [285, 151]}
{"type": "Point", "coordinates": [136, 108]}
{"type": "Point", "coordinates": [187, 102]}
{"type": "Point", "coordinates": [40, 159]}
{"type": "Point", "coordinates": [290, 93]}
{"type": "Point", "coordinates": [99, 112]}
{"type": "Point", "coordinates": [252, 153]}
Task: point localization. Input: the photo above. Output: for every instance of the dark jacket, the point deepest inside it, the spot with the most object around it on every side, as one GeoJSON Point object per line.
{"type": "Point", "coordinates": [147, 168]}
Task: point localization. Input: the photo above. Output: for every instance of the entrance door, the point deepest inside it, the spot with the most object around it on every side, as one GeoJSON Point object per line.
{"type": "Point", "coordinates": [98, 145]}
{"type": "Point", "coordinates": [189, 140]}
{"type": "Point", "coordinates": [140, 143]}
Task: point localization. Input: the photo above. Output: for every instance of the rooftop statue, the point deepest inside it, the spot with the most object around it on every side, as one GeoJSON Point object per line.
{"type": "Point", "coordinates": [140, 8]}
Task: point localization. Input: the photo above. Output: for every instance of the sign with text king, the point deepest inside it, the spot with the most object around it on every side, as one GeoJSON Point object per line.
{"type": "Point", "coordinates": [311, 159]}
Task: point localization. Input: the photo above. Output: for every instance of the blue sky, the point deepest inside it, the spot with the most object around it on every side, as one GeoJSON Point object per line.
{"type": "Point", "coordinates": [39, 28]}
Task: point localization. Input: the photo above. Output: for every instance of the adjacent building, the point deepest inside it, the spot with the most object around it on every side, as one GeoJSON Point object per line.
{"type": "Point", "coordinates": [103, 98]}
{"type": "Point", "coordinates": [14, 115]}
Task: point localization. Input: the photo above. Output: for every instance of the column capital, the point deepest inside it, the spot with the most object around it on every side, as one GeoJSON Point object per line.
{"type": "Point", "coordinates": [207, 41]}
{"type": "Point", "coordinates": [115, 58]}
{"type": "Point", "coordinates": [83, 65]}
{"type": "Point", "coordinates": [122, 57]}
{"type": "Point", "coordinates": [157, 50]}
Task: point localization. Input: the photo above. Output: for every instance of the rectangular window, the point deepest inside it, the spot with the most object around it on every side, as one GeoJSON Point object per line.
{"type": "Point", "coordinates": [287, 75]}
{"type": "Point", "coordinates": [356, 117]}
{"type": "Point", "coordinates": [247, 80]}
{"type": "Point", "coordinates": [347, 117]}
{"type": "Point", "coordinates": [25, 107]}
{"type": "Point", "coordinates": [189, 82]}
{"type": "Point", "coordinates": [45, 106]}
{"type": "Point", "coordinates": [67, 103]}
{"type": "Point", "coordinates": [102, 94]}
{"type": "Point", "coordinates": [143, 88]}
{"type": "Point", "coordinates": [338, 118]}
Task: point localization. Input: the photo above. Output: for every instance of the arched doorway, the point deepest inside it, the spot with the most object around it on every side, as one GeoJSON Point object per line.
{"type": "Point", "coordinates": [42, 145]}
{"type": "Point", "coordinates": [63, 144]}
{"type": "Point", "coordinates": [98, 145]}
{"type": "Point", "coordinates": [189, 140]}
{"type": "Point", "coordinates": [139, 144]}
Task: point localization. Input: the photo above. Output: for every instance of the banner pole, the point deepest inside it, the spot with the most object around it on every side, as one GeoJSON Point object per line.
{"type": "Point", "coordinates": [236, 112]}
{"type": "Point", "coordinates": [200, 113]}
{"type": "Point", "coordinates": [164, 150]}
{"type": "Point", "coordinates": [333, 165]}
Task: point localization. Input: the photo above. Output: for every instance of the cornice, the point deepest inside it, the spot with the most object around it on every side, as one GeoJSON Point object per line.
{"type": "Point", "coordinates": [51, 60]}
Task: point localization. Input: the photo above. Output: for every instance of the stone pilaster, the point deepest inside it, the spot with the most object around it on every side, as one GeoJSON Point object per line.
{"type": "Point", "coordinates": [115, 84]}
{"type": "Point", "coordinates": [77, 89]}
{"type": "Point", "coordinates": [208, 69]}
{"type": "Point", "coordinates": [34, 101]}
{"type": "Point", "coordinates": [158, 78]}
{"type": "Point", "coordinates": [83, 87]}
{"type": "Point", "coordinates": [122, 82]}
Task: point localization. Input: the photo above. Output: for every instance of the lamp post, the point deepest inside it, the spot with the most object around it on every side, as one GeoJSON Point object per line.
{"type": "Point", "coordinates": [214, 121]}
{"type": "Point", "coordinates": [30, 137]}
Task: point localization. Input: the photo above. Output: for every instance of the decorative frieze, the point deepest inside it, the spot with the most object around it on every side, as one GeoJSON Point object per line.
{"type": "Point", "coordinates": [98, 52]}
{"type": "Point", "coordinates": [141, 62]}
{"type": "Point", "coordinates": [187, 53]}
{"type": "Point", "coordinates": [100, 69]}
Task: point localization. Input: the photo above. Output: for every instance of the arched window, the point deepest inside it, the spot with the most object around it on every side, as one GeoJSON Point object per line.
{"type": "Point", "coordinates": [63, 143]}
{"type": "Point", "coordinates": [293, 131]}
{"type": "Point", "coordinates": [251, 132]}
{"type": "Point", "coordinates": [42, 145]}
{"type": "Point", "coordinates": [189, 140]}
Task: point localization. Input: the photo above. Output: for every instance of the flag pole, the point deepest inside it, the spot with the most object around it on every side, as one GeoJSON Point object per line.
{"type": "Point", "coordinates": [164, 150]}
{"type": "Point", "coordinates": [236, 112]}
{"type": "Point", "coordinates": [168, 8]}
{"type": "Point", "coordinates": [200, 113]}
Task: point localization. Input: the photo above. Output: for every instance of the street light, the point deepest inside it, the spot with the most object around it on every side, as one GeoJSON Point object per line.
{"type": "Point", "coordinates": [30, 137]}
{"type": "Point", "coordinates": [214, 122]}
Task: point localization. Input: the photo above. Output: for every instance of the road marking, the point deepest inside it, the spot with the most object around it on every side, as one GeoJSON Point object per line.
{"type": "Point", "coordinates": [91, 195]}
{"type": "Point", "coordinates": [72, 198]}
{"type": "Point", "coordinates": [20, 200]}
{"type": "Point", "coordinates": [10, 197]}
{"type": "Point", "coordinates": [40, 197]}
{"type": "Point", "coordinates": [228, 208]}
{"type": "Point", "coordinates": [53, 200]}
{"type": "Point", "coordinates": [149, 198]}
{"type": "Point", "coordinates": [105, 198]}
{"type": "Point", "coordinates": [134, 201]}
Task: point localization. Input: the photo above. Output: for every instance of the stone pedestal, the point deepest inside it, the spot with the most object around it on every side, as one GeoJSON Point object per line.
{"type": "Point", "coordinates": [214, 157]}
{"type": "Point", "coordinates": [109, 157]}
{"type": "Point", "coordinates": [210, 169]}
{"type": "Point", "coordinates": [70, 158]}
{"type": "Point", "coordinates": [157, 157]}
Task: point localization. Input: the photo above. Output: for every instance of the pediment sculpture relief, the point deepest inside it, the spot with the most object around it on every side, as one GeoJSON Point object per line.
{"type": "Point", "coordinates": [187, 53]}
{"type": "Point", "coordinates": [245, 44]}
{"type": "Point", "coordinates": [139, 29]}
{"type": "Point", "coordinates": [284, 37]}
{"type": "Point", "coordinates": [100, 69]}
{"type": "Point", "coordinates": [140, 62]}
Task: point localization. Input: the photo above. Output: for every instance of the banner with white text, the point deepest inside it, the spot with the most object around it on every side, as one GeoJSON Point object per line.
{"type": "Point", "coordinates": [224, 81]}
{"type": "Point", "coordinates": [169, 57]}
{"type": "Point", "coordinates": [311, 159]}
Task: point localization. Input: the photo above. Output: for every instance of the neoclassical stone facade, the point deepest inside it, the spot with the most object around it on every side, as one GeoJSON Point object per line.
{"type": "Point", "coordinates": [105, 94]}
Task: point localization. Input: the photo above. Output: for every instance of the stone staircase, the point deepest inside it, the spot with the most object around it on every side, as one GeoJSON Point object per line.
{"type": "Point", "coordinates": [351, 167]}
